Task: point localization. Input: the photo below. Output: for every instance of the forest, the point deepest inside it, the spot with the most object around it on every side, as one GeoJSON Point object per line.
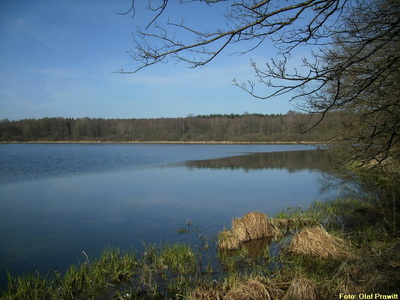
{"type": "Point", "coordinates": [293, 126]}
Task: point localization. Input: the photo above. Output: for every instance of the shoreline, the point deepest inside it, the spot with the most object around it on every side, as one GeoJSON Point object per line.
{"type": "Point", "coordinates": [170, 142]}
{"type": "Point", "coordinates": [360, 264]}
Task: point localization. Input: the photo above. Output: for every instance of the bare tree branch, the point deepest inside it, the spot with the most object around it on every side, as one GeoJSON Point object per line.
{"type": "Point", "coordinates": [353, 67]}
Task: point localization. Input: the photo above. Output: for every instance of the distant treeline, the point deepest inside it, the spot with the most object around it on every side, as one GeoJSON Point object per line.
{"type": "Point", "coordinates": [247, 127]}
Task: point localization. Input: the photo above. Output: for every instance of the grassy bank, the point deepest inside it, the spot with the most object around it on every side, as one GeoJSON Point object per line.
{"type": "Point", "coordinates": [169, 142]}
{"type": "Point", "coordinates": [364, 227]}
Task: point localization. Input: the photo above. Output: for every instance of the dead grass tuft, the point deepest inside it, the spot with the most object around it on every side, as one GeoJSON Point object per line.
{"type": "Point", "coordinates": [252, 226]}
{"type": "Point", "coordinates": [253, 289]}
{"type": "Point", "coordinates": [205, 294]}
{"type": "Point", "coordinates": [318, 243]}
{"type": "Point", "coordinates": [301, 288]}
{"type": "Point", "coordinates": [228, 241]}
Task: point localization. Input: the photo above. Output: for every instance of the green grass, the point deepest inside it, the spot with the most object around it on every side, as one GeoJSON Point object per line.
{"type": "Point", "coordinates": [29, 286]}
{"type": "Point", "coordinates": [179, 258]}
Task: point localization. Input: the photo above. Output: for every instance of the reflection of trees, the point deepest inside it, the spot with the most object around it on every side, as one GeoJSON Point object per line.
{"type": "Point", "coordinates": [291, 160]}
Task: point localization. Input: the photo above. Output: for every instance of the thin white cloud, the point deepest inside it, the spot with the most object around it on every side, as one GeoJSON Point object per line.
{"type": "Point", "coordinates": [62, 72]}
{"type": "Point", "coordinates": [179, 75]}
{"type": "Point", "coordinates": [48, 35]}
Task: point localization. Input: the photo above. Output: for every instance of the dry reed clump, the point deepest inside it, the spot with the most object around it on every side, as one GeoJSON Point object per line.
{"type": "Point", "coordinates": [318, 243]}
{"type": "Point", "coordinates": [205, 294]}
{"type": "Point", "coordinates": [301, 288]}
{"type": "Point", "coordinates": [254, 225]}
{"type": "Point", "coordinates": [253, 289]}
{"type": "Point", "coordinates": [228, 241]}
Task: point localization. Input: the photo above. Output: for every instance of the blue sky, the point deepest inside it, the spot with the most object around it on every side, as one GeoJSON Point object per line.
{"type": "Point", "coordinates": [57, 59]}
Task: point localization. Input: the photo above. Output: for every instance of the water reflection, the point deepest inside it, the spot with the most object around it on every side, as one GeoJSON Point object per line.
{"type": "Point", "coordinates": [47, 223]}
{"type": "Point", "coordinates": [292, 161]}
{"type": "Point", "coordinates": [295, 165]}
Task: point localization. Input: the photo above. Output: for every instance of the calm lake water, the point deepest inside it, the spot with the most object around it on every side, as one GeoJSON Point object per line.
{"type": "Point", "coordinates": [57, 200]}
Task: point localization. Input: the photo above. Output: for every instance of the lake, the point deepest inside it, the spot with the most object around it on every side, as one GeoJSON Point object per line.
{"type": "Point", "coordinates": [57, 200]}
